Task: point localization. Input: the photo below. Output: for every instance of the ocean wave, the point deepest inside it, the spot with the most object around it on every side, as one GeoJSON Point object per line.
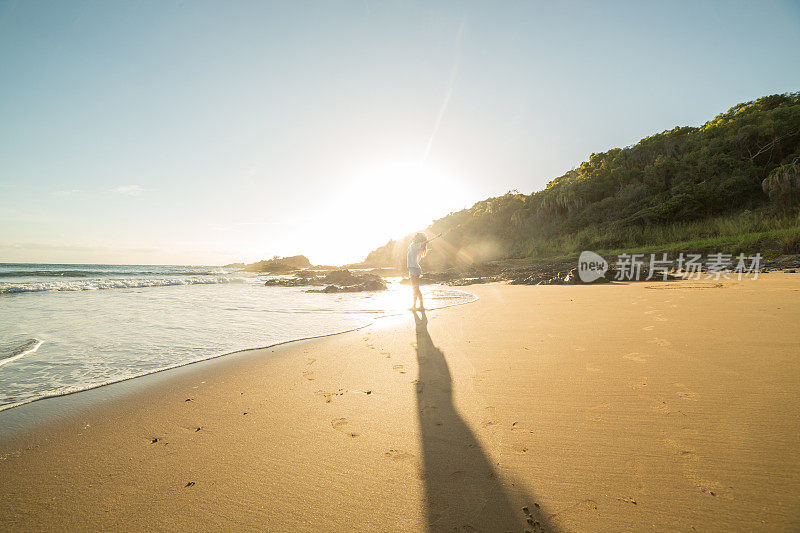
{"type": "Point", "coordinates": [218, 272]}
{"type": "Point", "coordinates": [47, 273]}
{"type": "Point", "coordinates": [100, 273]}
{"type": "Point", "coordinates": [109, 283]}
{"type": "Point", "coordinates": [8, 354]}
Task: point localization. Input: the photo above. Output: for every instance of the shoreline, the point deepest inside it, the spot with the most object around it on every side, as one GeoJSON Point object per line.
{"type": "Point", "coordinates": [571, 407]}
{"type": "Point", "coordinates": [18, 425]}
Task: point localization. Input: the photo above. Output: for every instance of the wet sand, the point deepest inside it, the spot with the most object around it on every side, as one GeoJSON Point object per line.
{"type": "Point", "coordinates": [642, 406]}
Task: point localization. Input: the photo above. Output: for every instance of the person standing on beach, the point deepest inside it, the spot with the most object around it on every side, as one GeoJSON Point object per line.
{"type": "Point", "coordinates": [416, 251]}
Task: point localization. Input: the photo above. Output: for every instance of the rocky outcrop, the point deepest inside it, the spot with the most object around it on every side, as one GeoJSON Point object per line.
{"type": "Point", "coordinates": [346, 281]}
{"type": "Point", "coordinates": [573, 278]}
{"type": "Point", "coordinates": [787, 263]}
{"type": "Point", "coordinates": [548, 278]}
{"type": "Point", "coordinates": [533, 279]}
{"type": "Point", "coordinates": [336, 281]}
{"type": "Point", "coordinates": [366, 285]}
{"type": "Point", "coordinates": [273, 266]}
{"type": "Point", "coordinates": [278, 265]}
{"type": "Point", "coordinates": [296, 281]}
{"type": "Point", "coordinates": [341, 277]}
{"type": "Point", "coordinates": [463, 282]}
{"type": "Point", "coordinates": [296, 261]}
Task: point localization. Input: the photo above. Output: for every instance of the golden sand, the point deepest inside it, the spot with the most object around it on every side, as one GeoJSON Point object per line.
{"type": "Point", "coordinates": [642, 406]}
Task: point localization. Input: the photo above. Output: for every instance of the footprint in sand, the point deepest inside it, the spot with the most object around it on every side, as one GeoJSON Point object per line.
{"type": "Point", "coordinates": [427, 410]}
{"type": "Point", "coordinates": [515, 426]}
{"type": "Point", "coordinates": [399, 455]}
{"type": "Point", "coordinates": [640, 384]}
{"type": "Point", "coordinates": [590, 368]}
{"type": "Point", "coordinates": [458, 474]}
{"type": "Point", "coordinates": [308, 374]}
{"type": "Point", "coordinates": [661, 407]}
{"type": "Point", "coordinates": [532, 519]}
{"type": "Point", "coordinates": [399, 368]}
{"type": "Point", "coordinates": [387, 354]}
{"type": "Point", "coordinates": [339, 425]}
{"type": "Point", "coordinates": [636, 356]}
{"type": "Point", "coordinates": [648, 328]}
{"type": "Point", "coordinates": [328, 396]}
{"type": "Point", "coordinates": [685, 393]}
{"type": "Point", "coordinates": [311, 361]}
{"type": "Point", "coordinates": [660, 342]}
{"type": "Point", "coordinates": [691, 470]}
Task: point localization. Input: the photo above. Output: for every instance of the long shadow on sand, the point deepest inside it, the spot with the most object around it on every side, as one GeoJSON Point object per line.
{"type": "Point", "coordinates": [462, 489]}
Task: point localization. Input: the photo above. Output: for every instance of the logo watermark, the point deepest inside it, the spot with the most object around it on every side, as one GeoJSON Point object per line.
{"type": "Point", "coordinates": [591, 267]}
{"type": "Point", "coordinates": [637, 267]}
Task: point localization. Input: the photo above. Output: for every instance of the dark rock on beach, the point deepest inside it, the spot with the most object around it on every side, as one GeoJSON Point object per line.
{"type": "Point", "coordinates": [462, 282]}
{"type": "Point", "coordinates": [297, 281]}
{"type": "Point", "coordinates": [369, 285]}
{"type": "Point", "coordinates": [336, 281]}
{"type": "Point", "coordinates": [573, 278]}
{"type": "Point", "coordinates": [341, 277]}
{"type": "Point", "coordinates": [549, 276]}
{"type": "Point", "coordinates": [533, 279]}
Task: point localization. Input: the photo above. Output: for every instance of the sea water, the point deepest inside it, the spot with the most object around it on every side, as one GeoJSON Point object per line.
{"type": "Point", "coordinates": [67, 328]}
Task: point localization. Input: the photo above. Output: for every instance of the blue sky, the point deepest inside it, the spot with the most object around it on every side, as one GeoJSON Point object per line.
{"type": "Point", "coordinates": [211, 132]}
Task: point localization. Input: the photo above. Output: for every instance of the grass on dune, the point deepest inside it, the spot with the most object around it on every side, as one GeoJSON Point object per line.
{"type": "Point", "coordinates": [746, 232]}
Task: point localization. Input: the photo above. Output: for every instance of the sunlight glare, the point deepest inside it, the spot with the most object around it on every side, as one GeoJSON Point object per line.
{"type": "Point", "coordinates": [397, 198]}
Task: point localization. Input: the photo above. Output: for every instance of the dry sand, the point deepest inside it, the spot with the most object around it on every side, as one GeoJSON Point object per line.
{"type": "Point", "coordinates": [645, 406]}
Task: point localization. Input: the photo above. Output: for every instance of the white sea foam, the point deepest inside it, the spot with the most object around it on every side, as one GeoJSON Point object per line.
{"type": "Point", "coordinates": [18, 351]}
{"type": "Point", "coordinates": [110, 283]}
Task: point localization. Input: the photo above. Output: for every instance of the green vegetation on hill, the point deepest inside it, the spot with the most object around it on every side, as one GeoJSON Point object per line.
{"type": "Point", "coordinates": [733, 183]}
{"type": "Point", "coordinates": [278, 265]}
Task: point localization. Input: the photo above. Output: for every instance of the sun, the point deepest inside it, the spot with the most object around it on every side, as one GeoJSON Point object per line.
{"type": "Point", "coordinates": [379, 200]}
{"type": "Point", "coordinates": [401, 197]}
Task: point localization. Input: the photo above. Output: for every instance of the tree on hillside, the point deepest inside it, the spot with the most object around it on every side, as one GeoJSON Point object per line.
{"type": "Point", "coordinates": [742, 159]}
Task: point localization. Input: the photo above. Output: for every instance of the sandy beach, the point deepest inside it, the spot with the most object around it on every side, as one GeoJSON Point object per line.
{"type": "Point", "coordinates": [642, 406]}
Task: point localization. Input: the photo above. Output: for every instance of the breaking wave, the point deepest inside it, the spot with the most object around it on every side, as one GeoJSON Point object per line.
{"type": "Point", "coordinates": [95, 284]}
{"type": "Point", "coordinates": [14, 352]}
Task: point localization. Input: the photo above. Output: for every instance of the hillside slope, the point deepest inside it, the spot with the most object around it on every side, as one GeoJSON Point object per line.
{"type": "Point", "coordinates": [734, 175]}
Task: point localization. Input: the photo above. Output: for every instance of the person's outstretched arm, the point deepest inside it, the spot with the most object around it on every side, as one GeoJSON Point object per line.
{"type": "Point", "coordinates": [432, 238]}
